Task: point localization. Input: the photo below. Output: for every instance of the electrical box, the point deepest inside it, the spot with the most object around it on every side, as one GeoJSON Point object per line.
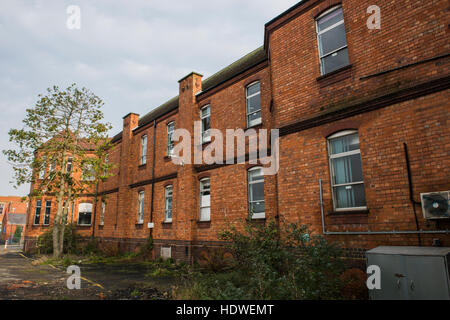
{"type": "Point", "coordinates": [411, 273]}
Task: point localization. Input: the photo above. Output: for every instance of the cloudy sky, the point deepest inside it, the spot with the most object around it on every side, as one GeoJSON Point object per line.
{"type": "Point", "coordinates": [130, 53]}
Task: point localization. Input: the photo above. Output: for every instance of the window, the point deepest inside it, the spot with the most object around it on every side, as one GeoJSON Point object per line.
{"type": "Point", "coordinates": [69, 165]}
{"type": "Point", "coordinates": [256, 193]}
{"type": "Point", "coordinates": [102, 214]}
{"type": "Point", "coordinates": [2, 206]}
{"type": "Point", "coordinates": [205, 200]}
{"type": "Point", "coordinates": [253, 95]}
{"type": "Point", "coordinates": [333, 51]}
{"type": "Point", "coordinates": [84, 214]}
{"type": "Point", "coordinates": [52, 166]}
{"type": "Point", "coordinates": [37, 212]}
{"type": "Point", "coordinates": [206, 124]}
{"type": "Point", "coordinates": [43, 168]}
{"type": "Point", "coordinates": [88, 172]}
{"type": "Point", "coordinates": [346, 171]}
{"type": "Point", "coordinates": [170, 142]}
{"type": "Point", "coordinates": [48, 206]}
{"type": "Point", "coordinates": [140, 218]}
{"type": "Point", "coordinates": [143, 150]}
{"type": "Point", "coordinates": [168, 204]}
{"type": "Point", "coordinates": [105, 170]}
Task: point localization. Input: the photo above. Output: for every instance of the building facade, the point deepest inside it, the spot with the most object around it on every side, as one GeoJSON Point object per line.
{"type": "Point", "coordinates": [12, 216]}
{"type": "Point", "coordinates": [362, 115]}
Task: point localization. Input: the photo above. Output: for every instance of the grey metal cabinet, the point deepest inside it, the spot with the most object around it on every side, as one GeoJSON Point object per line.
{"type": "Point", "coordinates": [411, 273]}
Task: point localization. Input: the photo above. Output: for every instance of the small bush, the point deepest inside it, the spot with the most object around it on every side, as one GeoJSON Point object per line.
{"type": "Point", "coordinates": [45, 241]}
{"type": "Point", "coordinates": [269, 264]}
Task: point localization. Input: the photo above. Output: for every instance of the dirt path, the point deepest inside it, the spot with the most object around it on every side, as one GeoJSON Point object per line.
{"type": "Point", "coordinates": [21, 279]}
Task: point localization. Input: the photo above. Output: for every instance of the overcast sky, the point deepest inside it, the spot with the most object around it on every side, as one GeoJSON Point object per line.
{"type": "Point", "coordinates": [130, 53]}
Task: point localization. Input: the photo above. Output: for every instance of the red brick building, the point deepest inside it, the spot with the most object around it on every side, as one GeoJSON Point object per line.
{"type": "Point", "coordinates": [348, 101]}
{"type": "Point", "coordinates": [12, 214]}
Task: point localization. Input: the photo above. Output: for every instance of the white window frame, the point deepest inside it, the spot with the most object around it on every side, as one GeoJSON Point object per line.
{"type": "Point", "coordinates": [318, 33]}
{"type": "Point", "coordinates": [43, 168]}
{"type": "Point", "coordinates": [202, 206]}
{"type": "Point", "coordinates": [69, 165]}
{"type": "Point", "coordinates": [35, 210]}
{"type": "Point", "coordinates": [206, 137]}
{"type": "Point", "coordinates": [141, 203]}
{"type": "Point", "coordinates": [102, 214]}
{"type": "Point", "coordinates": [143, 159]}
{"type": "Point", "coordinates": [78, 222]}
{"type": "Point", "coordinates": [45, 212]}
{"type": "Point", "coordinates": [88, 172]}
{"type": "Point", "coordinates": [170, 142]}
{"type": "Point", "coordinates": [247, 97]}
{"type": "Point", "coordinates": [259, 215]}
{"type": "Point", "coordinates": [166, 197]}
{"type": "Point", "coordinates": [332, 175]}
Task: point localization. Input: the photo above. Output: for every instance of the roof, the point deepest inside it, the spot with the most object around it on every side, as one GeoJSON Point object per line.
{"type": "Point", "coordinates": [410, 251]}
{"type": "Point", "coordinates": [246, 62]}
{"type": "Point", "coordinates": [17, 218]}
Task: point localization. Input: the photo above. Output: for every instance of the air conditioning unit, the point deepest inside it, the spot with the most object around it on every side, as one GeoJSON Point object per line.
{"type": "Point", "coordinates": [436, 205]}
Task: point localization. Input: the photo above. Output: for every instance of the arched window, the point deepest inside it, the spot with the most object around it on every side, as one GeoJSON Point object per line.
{"type": "Point", "coordinates": [205, 200]}
{"type": "Point", "coordinates": [84, 214]}
{"type": "Point", "coordinates": [256, 193]}
{"type": "Point", "coordinates": [332, 41]}
{"type": "Point", "coordinates": [346, 171]}
{"type": "Point", "coordinates": [253, 97]}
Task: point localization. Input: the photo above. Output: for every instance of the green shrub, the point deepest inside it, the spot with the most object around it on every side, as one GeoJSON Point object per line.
{"type": "Point", "coordinates": [269, 264]}
{"type": "Point", "coordinates": [45, 240]}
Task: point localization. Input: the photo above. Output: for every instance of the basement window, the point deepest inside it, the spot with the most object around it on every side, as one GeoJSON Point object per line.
{"type": "Point", "coordinates": [84, 214]}
{"type": "Point", "coordinates": [346, 171]}
{"type": "Point", "coordinates": [332, 41]}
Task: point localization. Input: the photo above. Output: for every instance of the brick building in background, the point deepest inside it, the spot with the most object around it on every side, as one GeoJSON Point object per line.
{"type": "Point", "coordinates": [13, 212]}
{"type": "Point", "coordinates": [354, 107]}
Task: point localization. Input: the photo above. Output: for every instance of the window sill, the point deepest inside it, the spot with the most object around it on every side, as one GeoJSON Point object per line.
{"type": "Point", "coordinates": [335, 76]}
{"type": "Point", "coordinates": [255, 126]}
{"type": "Point", "coordinates": [139, 225]}
{"type": "Point", "coordinates": [142, 166]}
{"type": "Point", "coordinates": [204, 223]}
{"type": "Point", "coordinates": [167, 158]}
{"type": "Point", "coordinates": [166, 224]}
{"type": "Point", "coordinates": [349, 212]}
{"type": "Point", "coordinates": [258, 220]}
{"type": "Point", "coordinates": [84, 225]}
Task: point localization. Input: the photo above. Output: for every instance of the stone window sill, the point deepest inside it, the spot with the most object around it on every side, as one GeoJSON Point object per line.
{"type": "Point", "coordinates": [349, 212]}
{"type": "Point", "coordinates": [204, 224]}
{"type": "Point", "coordinates": [335, 76]}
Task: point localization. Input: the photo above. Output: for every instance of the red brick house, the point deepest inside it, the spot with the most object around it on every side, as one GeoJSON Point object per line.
{"type": "Point", "coordinates": [363, 121]}
{"type": "Point", "coordinates": [12, 214]}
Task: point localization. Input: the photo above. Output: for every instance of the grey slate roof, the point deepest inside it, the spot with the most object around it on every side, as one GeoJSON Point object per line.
{"type": "Point", "coordinates": [248, 61]}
